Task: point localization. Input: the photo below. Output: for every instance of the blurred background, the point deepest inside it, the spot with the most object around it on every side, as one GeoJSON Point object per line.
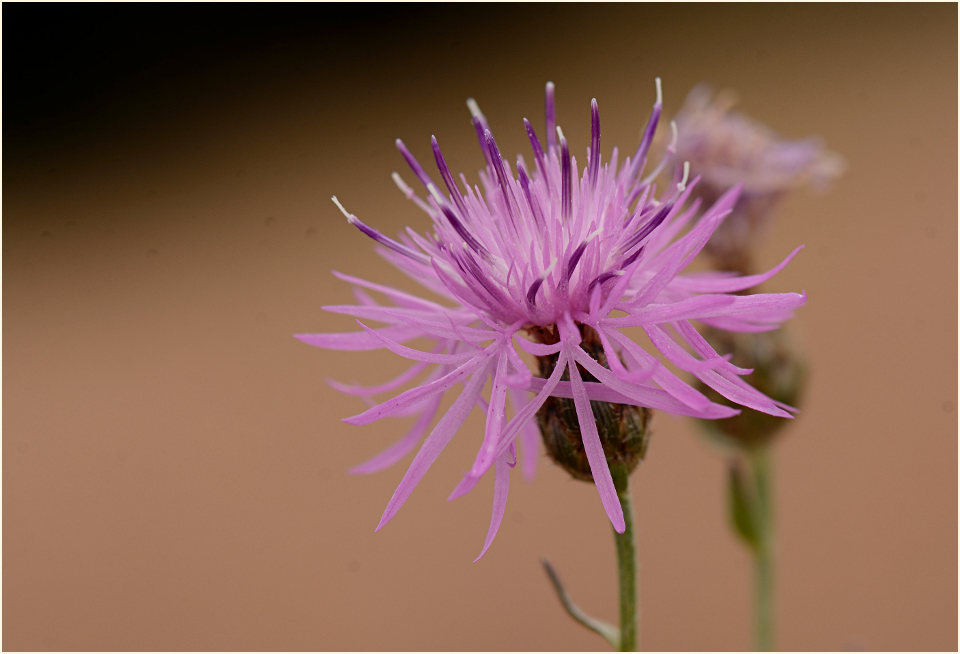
{"type": "Point", "coordinates": [174, 465]}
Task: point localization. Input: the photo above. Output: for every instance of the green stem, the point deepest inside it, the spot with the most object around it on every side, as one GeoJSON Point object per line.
{"type": "Point", "coordinates": [763, 552]}
{"type": "Point", "coordinates": [627, 571]}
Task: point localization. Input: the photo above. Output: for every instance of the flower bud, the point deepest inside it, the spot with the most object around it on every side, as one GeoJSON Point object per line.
{"type": "Point", "coordinates": [624, 429]}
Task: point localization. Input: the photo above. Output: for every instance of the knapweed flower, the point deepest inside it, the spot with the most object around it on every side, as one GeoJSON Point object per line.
{"type": "Point", "coordinates": [528, 262]}
{"type": "Point", "coordinates": [726, 148]}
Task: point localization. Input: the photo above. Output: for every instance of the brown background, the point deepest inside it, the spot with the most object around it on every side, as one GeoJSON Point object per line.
{"type": "Point", "coordinates": [174, 464]}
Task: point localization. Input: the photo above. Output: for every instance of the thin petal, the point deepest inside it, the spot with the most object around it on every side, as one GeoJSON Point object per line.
{"type": "Point", "coordinates": [401, 448]}
{"type": "Point", "coordinates": [433, 445]}
{"type": "Point", "coordinates": [720, 283]}
{"type": "Point", "coordinates": [668, 381]}
{"type": "Point", "coordinates": [496, 410]}
{"type": "Point", "coordinates": [501, 485]}
{"type": "Point", "coordinates": [398, 296]}
{"type": "Point", "coordinates": [393, 384]}
{"type": "Point", "coordinates": [513, 427]}
{"type": "Point", "coordinates": [358, 340]}
{"type": "Point", "coordinates": [394, 404]}
{"type": "Point", "coordinates": [658, 399]}
{"type": "Point", "coordinates": [417, 355]}
{"type": "Point", "coordinates": [529, 439]}
{"type": "Point", "coordinates": [699, 306]}
{"type": "Point", "coordinates": [679, 356]}
{"type": "Point", "coordinates": [594, 450]}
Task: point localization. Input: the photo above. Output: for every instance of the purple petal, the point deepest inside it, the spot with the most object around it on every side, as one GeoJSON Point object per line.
{"type": "Point", "coordinates": [594, 161]}
{"type": "Point", "coordinates": [447, 176]}
{"type": "Point", "coordinates": [551, 116]}
{"type": "Point", "coordinates": [414, 164]}
{"type": "Point", "coordinates": [382, 239]}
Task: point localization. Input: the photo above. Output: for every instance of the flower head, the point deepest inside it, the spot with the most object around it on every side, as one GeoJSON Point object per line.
{"type": "Point", "coordinates": [726, 148]}
{"type": "Point", "coordinates": [524, 264]}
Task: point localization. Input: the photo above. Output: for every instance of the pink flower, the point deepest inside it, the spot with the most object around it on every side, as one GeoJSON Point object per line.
{"type": "Point", "coordinates": [545, 249]}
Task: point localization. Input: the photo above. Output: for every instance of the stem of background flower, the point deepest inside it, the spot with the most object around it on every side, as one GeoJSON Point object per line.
{"type": "Point", "coordinates": [763, 553]}
{"type": "Point", "coordinates": [626, 569]}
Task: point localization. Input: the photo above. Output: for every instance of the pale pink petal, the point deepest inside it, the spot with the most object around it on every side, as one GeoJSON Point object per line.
{"type": "Point", "coordinates": [393, 384]}
{"type": "Point", "coordinates": [358, 340]}
{"type": "Point", "coordinates": [725, 283]}
{"type": "Point", "coordinates": [401, 448]}
{"type": "Point", "coordinates": [513, 427]}
{"type": "Point", "coordinates": [435, 443]}
{"type": "Point", "coordinates": [501, 486]}
{"type": "Point", "coordinates": [417, 355]}
{"type": "Point", "coordinates": [641, 395]}
{"type": "Point", "coordinates": [496, 411]}
{"type": "Point", "coordinates": [529, 438]}
{"type": "Point", "coordinates": [594, 450]}
{"type": "Point", "coordinates": [668, 381]}
{"type": "Point", "coordinates": [679, 356]}
{"type": "Point", "coordinates": [741, 393]}
{"type": "Point", "coordinates": [658, 399]}
{"type": "Point", "coordinates": [400, 297]}
{"type": "Point", "coordinates": [391, 406]}
{"type": "Point", "coordinates": [692, 337]}
{"type": "Point", "coordinates": [699, 306]}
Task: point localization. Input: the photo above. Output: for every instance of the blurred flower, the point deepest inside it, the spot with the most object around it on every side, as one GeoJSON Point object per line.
{"type": "Point", "coordinates": [726, 148]}
{"type": "Point", "coordinates": [534, 262]}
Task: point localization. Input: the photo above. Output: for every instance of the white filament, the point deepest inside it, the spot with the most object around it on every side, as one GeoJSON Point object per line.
{"type": "Point", "coordinates": [682, 186]}
{"type": "Point", "coordinates": [350, 217]}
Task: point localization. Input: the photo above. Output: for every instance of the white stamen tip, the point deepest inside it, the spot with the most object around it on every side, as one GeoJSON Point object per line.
{"type": "Point", "coordinates": [474, 108]}
{"type": "Point", "coordinates": [402, 185]}
{"type": "Point", "coordinates": [659, 91]}
{"type": "Point", "coordinates": [560, 133]}
{"type": "Point", "coordinates": [342, 210]}
{"type": "Point", "coordinates": [435, 194]}
{"type": "Point", "coordinates": [594, 234]}
{"type": "Point", "coordinates": [682, 186]}
{"type": "Point", "coordinates": [675, 134]}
